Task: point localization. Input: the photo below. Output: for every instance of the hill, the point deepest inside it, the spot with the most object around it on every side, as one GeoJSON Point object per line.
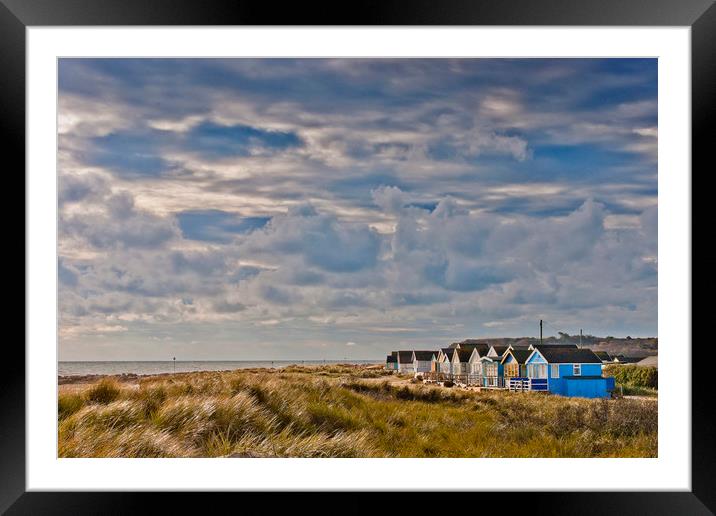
{"type": "Point", "coordinates": [628, 346]}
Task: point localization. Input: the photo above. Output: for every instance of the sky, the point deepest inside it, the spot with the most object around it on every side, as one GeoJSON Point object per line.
{"type": "Point", "coordinates": [246, 209]}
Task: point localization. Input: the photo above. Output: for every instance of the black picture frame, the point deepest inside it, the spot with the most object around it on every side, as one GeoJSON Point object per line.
{"type": "Point", "coordinates": [700, 15]}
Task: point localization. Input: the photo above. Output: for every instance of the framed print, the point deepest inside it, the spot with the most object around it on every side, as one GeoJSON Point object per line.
{"type": "Point", "coordinates": [412, 250]}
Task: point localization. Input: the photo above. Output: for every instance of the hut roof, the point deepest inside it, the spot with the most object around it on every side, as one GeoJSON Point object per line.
{"type": "Point", "coordinates": [563, 355]}
{"type": "Point", "coordinates": [520, 355]}
{"type": "Point", "coordinates": [464, 354]}
{"type": "Point", "coordinates": [482, 347]}
{"type": "Point", "coordinates": [391, 359]}
{"type": "Point", "coordinates": [424, 355]}
{"type": "Point", "coordinates": [603, 355]}
{"type": "Point", "coordinates": [405, 357]}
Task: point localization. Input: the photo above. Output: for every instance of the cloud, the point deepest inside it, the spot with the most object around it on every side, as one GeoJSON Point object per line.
{"type": "Point", "coordinates": [76, 188]}
{"type": "Point", "coordinates": [120, 225]}
{"type": "Point", "coordinates": [335, 200]}
{"type": "Point", "coordinates": [320, 239]}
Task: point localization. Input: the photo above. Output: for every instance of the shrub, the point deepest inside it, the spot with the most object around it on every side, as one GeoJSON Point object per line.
{"type": "Point", "coordinates": [633, 375]}
{"type": "Point", "coordinates": [106, 391]}
{"type": "Point", "coordinates": [448, 383]}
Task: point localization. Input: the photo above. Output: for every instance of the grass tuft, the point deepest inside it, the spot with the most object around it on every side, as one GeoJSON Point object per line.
{"type": "Point", "coordinates": [106, 391]}
{"type": "Point", "coordinates": [68, 404]}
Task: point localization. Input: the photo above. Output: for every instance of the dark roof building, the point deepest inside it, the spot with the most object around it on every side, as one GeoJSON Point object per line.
{"type": "Point", "coordinates": [482, 347]}
{"type": "Point", "coordinates": [463, 354]}
{"type": "Point", "coordinates": [604, 356]}
{"type": "Point", "coordinates": [405, 357]}
{"type": "Point", "coordinates": [520, 355]}
{"type": "Point", "coordinates": [626, 360]}
{"type": "Point", "coordinates": [564, 355]}
{"type": "Point", "coordinates": [424, 355]}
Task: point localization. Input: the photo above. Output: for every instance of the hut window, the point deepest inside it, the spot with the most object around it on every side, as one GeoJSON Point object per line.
{"type": "Point", "coordinates": [577, 369]}
{"type": "Point", "coordinates": [555, 370]}
{"type": "Point", "coordinates": [538, 371]}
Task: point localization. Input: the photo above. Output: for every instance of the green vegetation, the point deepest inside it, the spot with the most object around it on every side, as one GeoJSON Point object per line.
{"type": "Point", "coordinates": [106, 391]}
{"type": "Point", "coordinates": [633, 378]}
{"type": "Point", "coordinates": [342, 411]}
{"type": "Point", "coordinates": [629, 390]}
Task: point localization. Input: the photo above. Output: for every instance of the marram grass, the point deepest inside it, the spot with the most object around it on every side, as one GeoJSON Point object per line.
{"type": "Point", "coordinates": [341, 411]}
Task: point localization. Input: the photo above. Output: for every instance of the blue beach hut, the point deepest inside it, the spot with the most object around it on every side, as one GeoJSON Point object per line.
{"type": "Point", "coordinates": [568, 372]}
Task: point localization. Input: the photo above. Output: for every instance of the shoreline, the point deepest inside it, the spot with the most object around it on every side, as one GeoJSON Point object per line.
{"type": "Point", "coordinates": [136, 377]}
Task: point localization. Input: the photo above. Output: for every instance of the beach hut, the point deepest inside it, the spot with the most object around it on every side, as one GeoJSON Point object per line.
{"type": "Point", "coordinates": [567, 371]}
{"type": "Point", "coordinates": [491, 373]}
{"type": "Point", "coordinates": [391, 361]}
{"type": "Point", "coordinates": [474, 367]}
{"type": "Point", "coordinates": [422, 361]}
{"type": "Point", "coordinates": [405, 362]}
{"type": "Point", "coordinates": [514, 367]}
{"type": "Point", "coordinates": [460, 364]}
{"type": "Point", "coordinates": [444, 363]}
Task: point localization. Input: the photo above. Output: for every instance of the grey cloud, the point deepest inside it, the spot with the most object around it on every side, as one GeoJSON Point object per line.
{"type": "Point", "coordinates": [227, 307]}
{"type": "Point", "coordinates": [76, 188]}
{"type": "Point", "coordinates": [320, 239]}
{"type": "Point", "coordinates": [121, 225]}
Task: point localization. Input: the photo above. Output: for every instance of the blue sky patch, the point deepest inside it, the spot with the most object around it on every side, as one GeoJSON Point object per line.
{"type": "Point", "coordinates": [217, 225]}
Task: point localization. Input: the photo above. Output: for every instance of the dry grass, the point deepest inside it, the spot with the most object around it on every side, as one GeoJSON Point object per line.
{"type": "Point", "coordinates": [341, 411]}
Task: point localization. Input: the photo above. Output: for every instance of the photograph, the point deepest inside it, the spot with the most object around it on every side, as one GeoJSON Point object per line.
{"type": "Point", "coordinates": [357, 257]}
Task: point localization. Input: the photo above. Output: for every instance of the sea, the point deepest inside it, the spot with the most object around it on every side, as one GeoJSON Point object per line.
{"type": "Point", "coordinates": [169, 366]}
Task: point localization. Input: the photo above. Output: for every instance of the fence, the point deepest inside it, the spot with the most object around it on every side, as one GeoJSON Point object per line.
{"type": "Point", "coordinates": [487, 382]}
